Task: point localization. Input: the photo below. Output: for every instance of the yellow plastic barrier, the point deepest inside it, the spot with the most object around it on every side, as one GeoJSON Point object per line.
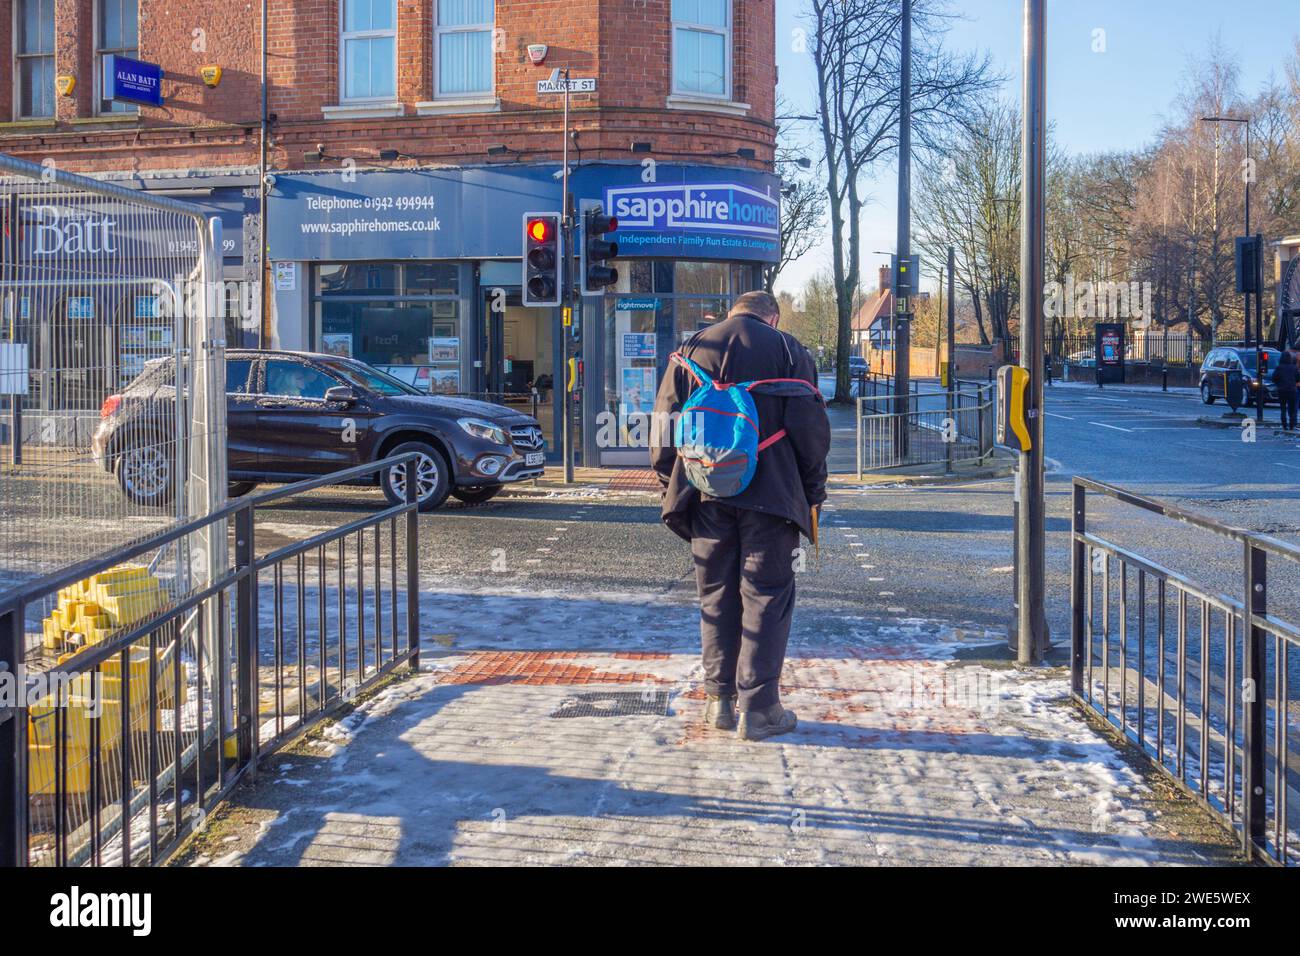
{"type": "Point", "coordinates": [88, 613]}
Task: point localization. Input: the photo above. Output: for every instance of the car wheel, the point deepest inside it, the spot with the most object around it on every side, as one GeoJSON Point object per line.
{"type": "Point", "coordinates": [1206, 395]}
{"type": "Point", "coordinates": [476, 496]}
{"type": "Point", "coordinates": [144, 473]}
{"type": "Point", "coordinates": [237, 489]}
{"type": "Point", "coordinates": [432, 476]}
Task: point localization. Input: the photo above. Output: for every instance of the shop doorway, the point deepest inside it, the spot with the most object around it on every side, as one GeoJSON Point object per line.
{"type": "Point", "coordinates": [519, 360]}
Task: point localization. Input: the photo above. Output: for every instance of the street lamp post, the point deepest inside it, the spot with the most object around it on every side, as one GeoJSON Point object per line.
{"type": "Point", "coordinates": [1030, 539]}
{"type": "Point", "coordinates": [903, 312]}
{"type": "Point", "coordinates": [1248, 174]}
{"type": "Point", "coordinates": [566, 291]}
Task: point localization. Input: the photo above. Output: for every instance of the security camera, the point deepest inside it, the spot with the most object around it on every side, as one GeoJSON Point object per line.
{"type": "Point", "coordinates": [269, 180]}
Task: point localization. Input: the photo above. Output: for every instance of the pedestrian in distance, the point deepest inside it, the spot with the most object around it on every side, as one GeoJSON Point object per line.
{"type": "Point", "coordinates": [1284, 378]}
{"type": "Point", "coordinates": [739, 443]}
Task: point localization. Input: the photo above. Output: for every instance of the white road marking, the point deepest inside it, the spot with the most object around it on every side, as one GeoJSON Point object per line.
{"type": "Point", "coordinates": [1115, 427]}
{"type": "Point", "coordinates": [1054, 415]}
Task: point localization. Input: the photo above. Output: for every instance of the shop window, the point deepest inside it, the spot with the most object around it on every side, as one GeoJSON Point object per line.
{"type": "Point", "coordinates": [357, 278]}
{"type": "Point", "coordinates": [745, 278]}
{"type": "Point", "coordinates": [117, 34]}
{"type": "Point", "coordinates": [368, 45]}
{"type": "Point", "coordinates": [695, 314]}
{"type": "Point", "coordinates": [389, 332]}
{"type": "Point", "coordinates": [701, 278]}
{"type": "Point", "coordinates": [663, 275]}
{"type": "Point", "coordinates": [462, 47]}
{"type": "Point", "coordinates": [702, 47]}
{"type": "Point", "coordinates": [639, 274]}
{"type": "Point", "coordinates": [432, 278]}
{"type": "Point", "coordinates": [401, 318]}
{"type": "Point", "coordinates": [34, 58]}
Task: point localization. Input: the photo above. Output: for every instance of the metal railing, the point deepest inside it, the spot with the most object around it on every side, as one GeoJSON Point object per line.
{"type": "Point", "coordinates": [95, 281]}
{"type": "Point", "coordinates": [1155, 347]}
{"type": "Point", "coordinates": [938, 427]}
{"type": "Point", "coordinates": [1201, 682]}
{"type": "Point", "coordinates": [117, 750]}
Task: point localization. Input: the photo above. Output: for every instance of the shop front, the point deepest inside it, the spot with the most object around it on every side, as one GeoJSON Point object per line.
{"type": "Point", "coordinates": [96, 282]}
{"type": "Point", "coordinates": [418, 272]}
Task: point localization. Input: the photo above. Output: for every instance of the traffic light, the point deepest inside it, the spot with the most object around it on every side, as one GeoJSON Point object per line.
{"type": "Point", "coordinates": [1248, 252]}
{"type": "Point", "coordinates": [906, 272]}
{"type": "Point", "coordinates": [596, 274]}
{"type": "Point", "coordinates": [543, 254]}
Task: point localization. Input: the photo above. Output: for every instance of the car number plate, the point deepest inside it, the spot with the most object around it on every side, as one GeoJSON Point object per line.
{"type": "Point", "coordinates": [535, 458]}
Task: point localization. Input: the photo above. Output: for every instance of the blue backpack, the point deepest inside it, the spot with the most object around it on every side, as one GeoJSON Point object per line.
{"type": "Point", "coordinates": [717, 432]}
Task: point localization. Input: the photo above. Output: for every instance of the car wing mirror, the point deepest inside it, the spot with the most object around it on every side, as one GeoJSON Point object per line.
{"type": "Point", "coordinates": [341, 395]}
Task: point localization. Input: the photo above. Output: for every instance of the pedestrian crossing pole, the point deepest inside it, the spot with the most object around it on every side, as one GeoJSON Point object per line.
{"type": "Point", "coordinates": [903, 294]}
{"type": "Point", "coordinates": [1030, 545]}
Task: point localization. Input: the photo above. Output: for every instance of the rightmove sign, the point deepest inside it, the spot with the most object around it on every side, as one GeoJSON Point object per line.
{"type": "Point", "coordinates": [695, 219]}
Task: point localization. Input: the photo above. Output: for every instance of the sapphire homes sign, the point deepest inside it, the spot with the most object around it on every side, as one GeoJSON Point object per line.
{"type": "Point", "coordinates": [709, 220]}
{"type": "Point", "coordinates": [690, 212]}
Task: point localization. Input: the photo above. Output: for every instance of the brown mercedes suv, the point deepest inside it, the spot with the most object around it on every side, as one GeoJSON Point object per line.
{"type": "Point", "coordinates": [296, 415]}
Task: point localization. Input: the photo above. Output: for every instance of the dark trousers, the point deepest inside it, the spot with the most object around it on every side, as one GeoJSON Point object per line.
{"type": "Point", "coordinates": [744, 570]}
{"type": "Point", "coordinates": [1288, 401]}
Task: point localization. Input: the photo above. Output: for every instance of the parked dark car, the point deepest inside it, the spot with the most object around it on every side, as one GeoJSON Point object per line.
{"type": "Point", "coordinates": [1229, 373]}
{"type": "Point", "coordinates": [296, 415]}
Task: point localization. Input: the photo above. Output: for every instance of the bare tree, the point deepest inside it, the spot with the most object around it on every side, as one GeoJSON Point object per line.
{"type": "Point", "coordinates": [970, 199]}
{"type": "Point", "coordinates": [803, 201]}
{"type": "Point", "coordinates": [855, 46]}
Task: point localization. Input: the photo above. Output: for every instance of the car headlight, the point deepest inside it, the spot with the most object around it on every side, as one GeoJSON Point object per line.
{"type": "Point", "coordinates": [485, 430]}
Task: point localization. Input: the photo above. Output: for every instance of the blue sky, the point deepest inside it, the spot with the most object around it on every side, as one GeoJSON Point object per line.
{"type": "Point", "coordinates": [1116, 99]}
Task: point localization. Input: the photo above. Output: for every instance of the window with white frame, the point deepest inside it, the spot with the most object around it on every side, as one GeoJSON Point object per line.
{"type": "Point", "coordinates": [462, 48]}
{"type": "Point", "coordinates": [702, 47]}
{"type": "Point", "coordinates": [117, 34]}
{"type": "Point", "coordinates": [34, 58]}
{"type": "Point", "coordinates": [368, 50]}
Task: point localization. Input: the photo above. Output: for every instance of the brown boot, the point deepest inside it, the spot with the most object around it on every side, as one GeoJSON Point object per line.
{"type": "Point", "coordinates": [767, 722]}
{"type": "Point", "coordinates": [720, 712]}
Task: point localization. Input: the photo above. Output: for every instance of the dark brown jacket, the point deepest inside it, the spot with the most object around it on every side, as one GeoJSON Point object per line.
{"type": "Point", "coordinates": [791, 474]}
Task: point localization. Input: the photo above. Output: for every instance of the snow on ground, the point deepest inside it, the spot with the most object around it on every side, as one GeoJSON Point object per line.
{"type": "Point", "coordinates": [559, 728]}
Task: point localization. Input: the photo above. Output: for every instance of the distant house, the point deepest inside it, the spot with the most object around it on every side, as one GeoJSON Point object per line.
{"type": "Point", "coordinates": [873, 323]}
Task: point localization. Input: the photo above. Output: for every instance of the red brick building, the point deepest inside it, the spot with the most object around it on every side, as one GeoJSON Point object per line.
{"type": "Point", "coordinates": [405, 138]}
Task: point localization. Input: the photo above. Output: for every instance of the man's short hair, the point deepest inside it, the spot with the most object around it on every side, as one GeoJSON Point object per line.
{"type": "Point", "coordinates": [763, 305]}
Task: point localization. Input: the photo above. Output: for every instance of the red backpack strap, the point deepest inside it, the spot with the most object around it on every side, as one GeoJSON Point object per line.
{"type": "Point", "coordinates": [783, 386]}
{"type": "Point", "coordinates": [701, 377]}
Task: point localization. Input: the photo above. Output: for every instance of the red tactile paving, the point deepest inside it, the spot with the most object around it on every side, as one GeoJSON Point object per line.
{"type": "Point", "coordinates": [635, 479]}
{"type": "Point", "coordinates": [539, 668]}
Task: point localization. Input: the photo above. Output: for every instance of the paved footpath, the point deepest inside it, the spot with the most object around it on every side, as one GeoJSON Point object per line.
{"type": "Point", "coordinates": [553, 727]}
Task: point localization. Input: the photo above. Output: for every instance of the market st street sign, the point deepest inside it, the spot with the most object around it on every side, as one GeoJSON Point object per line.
{"type": "Point", "coordinates": [585, 84]}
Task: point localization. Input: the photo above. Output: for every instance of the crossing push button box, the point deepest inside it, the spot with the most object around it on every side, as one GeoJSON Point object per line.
{"type": "Point", "coordinates": [1013, 408]}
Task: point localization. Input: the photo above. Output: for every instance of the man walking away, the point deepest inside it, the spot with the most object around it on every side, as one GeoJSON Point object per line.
{"type": "Point", "coordinates": [1284, 377]}
{"type": "Point", "coordinates": [744, 543]}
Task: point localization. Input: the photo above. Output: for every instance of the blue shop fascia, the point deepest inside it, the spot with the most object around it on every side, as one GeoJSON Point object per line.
{"type": "Point", "coordinates": [418, 272]}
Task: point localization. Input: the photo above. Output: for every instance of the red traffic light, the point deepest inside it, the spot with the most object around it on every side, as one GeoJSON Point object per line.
{"type": "Point", "coordinates": [539, 230]}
